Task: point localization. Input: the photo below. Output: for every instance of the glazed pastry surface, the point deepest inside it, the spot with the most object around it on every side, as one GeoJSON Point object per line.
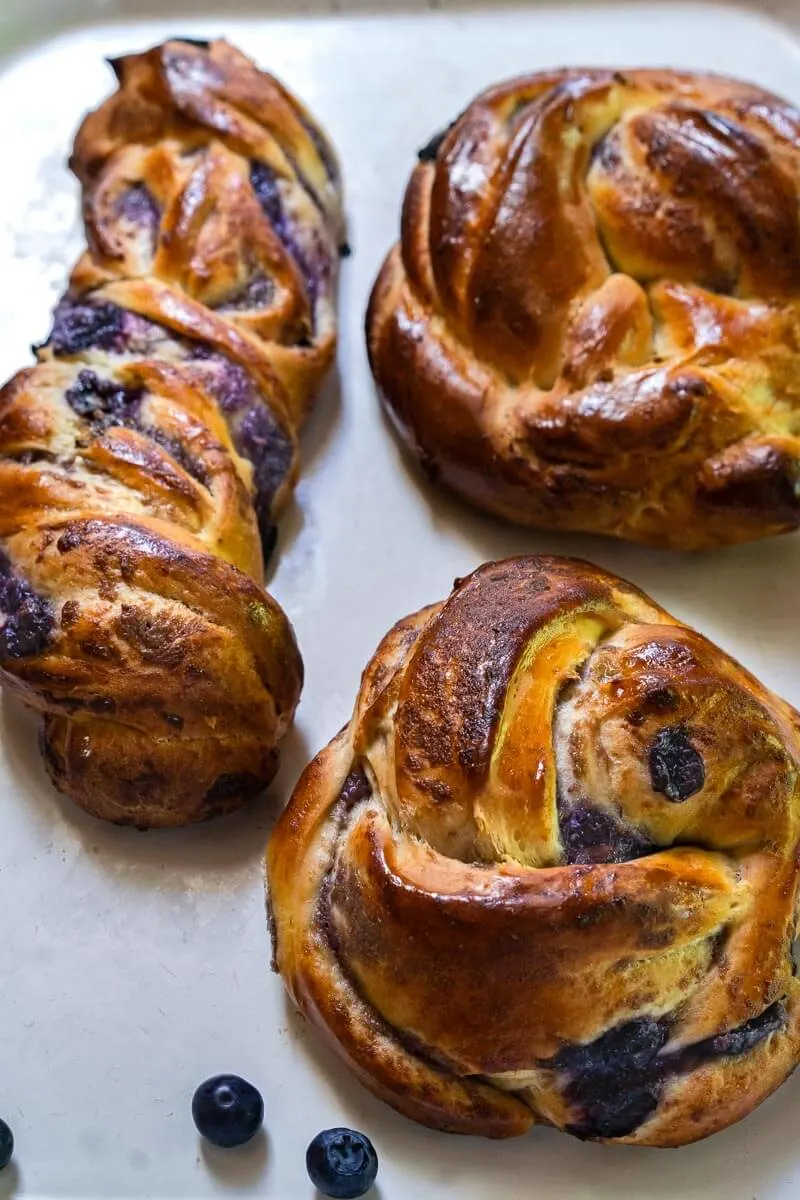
{"type": "Point", "coordinates": [548, 872]}
{"type": "Point", "coordinates": [145, 456]}
{"type": "Point", "coordinates": [592, 318]}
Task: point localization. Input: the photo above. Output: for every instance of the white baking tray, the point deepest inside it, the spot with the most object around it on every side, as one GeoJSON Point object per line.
{"type": "Point", "coordinates": [134, 965]}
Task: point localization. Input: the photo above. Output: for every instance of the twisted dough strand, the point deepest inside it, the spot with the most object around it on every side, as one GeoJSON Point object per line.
{"type": "Point", "coordinates": [592, 319]}
{"type": "Point", "coordinates": [549, 870]}
{"type": "Point", "coordinates": [156, 438]}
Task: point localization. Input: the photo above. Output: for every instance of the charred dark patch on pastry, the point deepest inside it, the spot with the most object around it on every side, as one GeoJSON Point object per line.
{"type": "Point", "coordinates": [758, 479]}
{"type": "Point", "coordinates": [744, 1038]}
{"type": "Point", "coordinates": [616, 1081]}
{"type": "Point", "coordinates": [430, 150]}
{"type": "Point", "coordinates": [676, 767]}
{"type": "Point", "coordinates": [27, 616]}
{"type": "Point", "coordinates": [594, 835]}
{"type": "Point", "coordinates": [27, 457]}
{"type": "Point", "coordinates": [268, 532]}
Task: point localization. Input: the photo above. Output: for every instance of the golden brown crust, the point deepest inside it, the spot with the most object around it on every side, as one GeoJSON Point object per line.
{"type": "Point", "coordinates": [156, 438]}
{"type": "Point", "coordinates": [592, 319]}
{"type": "Point", "coordinates": [549, 871]}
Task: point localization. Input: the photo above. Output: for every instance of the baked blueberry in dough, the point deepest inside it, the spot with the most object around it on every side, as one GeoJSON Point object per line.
{"type": "Point", "coordinates": [549, 872]}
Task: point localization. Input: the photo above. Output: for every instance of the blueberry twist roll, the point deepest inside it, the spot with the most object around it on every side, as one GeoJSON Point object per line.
{"type": "Point", "coordinates": [143, 459]}
{"type": "Point", "coordinates": [549, 870]}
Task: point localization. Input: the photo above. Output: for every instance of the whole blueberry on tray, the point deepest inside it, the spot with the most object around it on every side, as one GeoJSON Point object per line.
{"type": "Point", "coordinates": [227, 1110]}
{"type": "Point", "coordinates": [6, 1145]}
{"type": "Point", "coordinates": [342, 1163]}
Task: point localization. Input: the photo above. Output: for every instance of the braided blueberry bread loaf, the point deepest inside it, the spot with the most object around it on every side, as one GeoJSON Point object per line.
{"type": "Point", "coordinates": [143, 459]}
{"type": "Point", "coordinates": [549, 871]}
{"type": "Point", "coordinates": [592, 318]}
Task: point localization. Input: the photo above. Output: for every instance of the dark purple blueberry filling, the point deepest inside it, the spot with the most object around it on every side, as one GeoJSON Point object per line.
{"type": "Point", "coordinates": [78, 327]}
{"type": "Point", "coordinates": [259, 438]}
{"type": "Point", "coordinates": [138, 205]}
{"type": "Point", "coordinates": [739, 1041]}
{"type": "Point", "coordinates": [355, 789]}
{"type": "Point", "coordinates": [256, 434]}
{"type": "Point", "coordinates": [28, 616]}
{"type": "Point", "coordinates": [200, 43]}
{"type": "Point", "coordinates": [429, 151]}
{"type": "Point", "coordinates": [676, 768]}
{"type": "Point", "coordinates": [105, 404]}
{"type": "Point", "coordinates": [81, 325]}
{"type": "Point", "coordinates": [264, 182]}
{"type": "Point", "coordinates": [616, 1080]}
{"type": "Point", "coordinates": [591, 835]}
{"type": "Point", "coordinates": [612, 1079]}
{"type": "Point", "coordinates": [258, 292]}
{"type": "Point", "coordinates": [322, 148]}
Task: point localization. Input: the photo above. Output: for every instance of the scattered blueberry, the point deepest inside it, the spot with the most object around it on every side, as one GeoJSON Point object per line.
{"type": "Point", "coordinates": [227, 1110]}
{"type": "Point", "coordinates": [6, 1145]}
{"type": "Point", "coordinates": [342, 1163]}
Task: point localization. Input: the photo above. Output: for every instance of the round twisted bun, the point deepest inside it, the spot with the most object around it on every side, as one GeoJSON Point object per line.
{"type": "Point", "coordinates": [549, 870]}
{"type": "Point", "coordinates": [591, 321]}
{"type": "Point", "coordinates": [156, 438]}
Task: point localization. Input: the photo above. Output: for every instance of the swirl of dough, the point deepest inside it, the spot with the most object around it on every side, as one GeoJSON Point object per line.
{"type": "Point", "coordinates": [549, 871]}
{"type": "Point", "coordinates": [155, 440]}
